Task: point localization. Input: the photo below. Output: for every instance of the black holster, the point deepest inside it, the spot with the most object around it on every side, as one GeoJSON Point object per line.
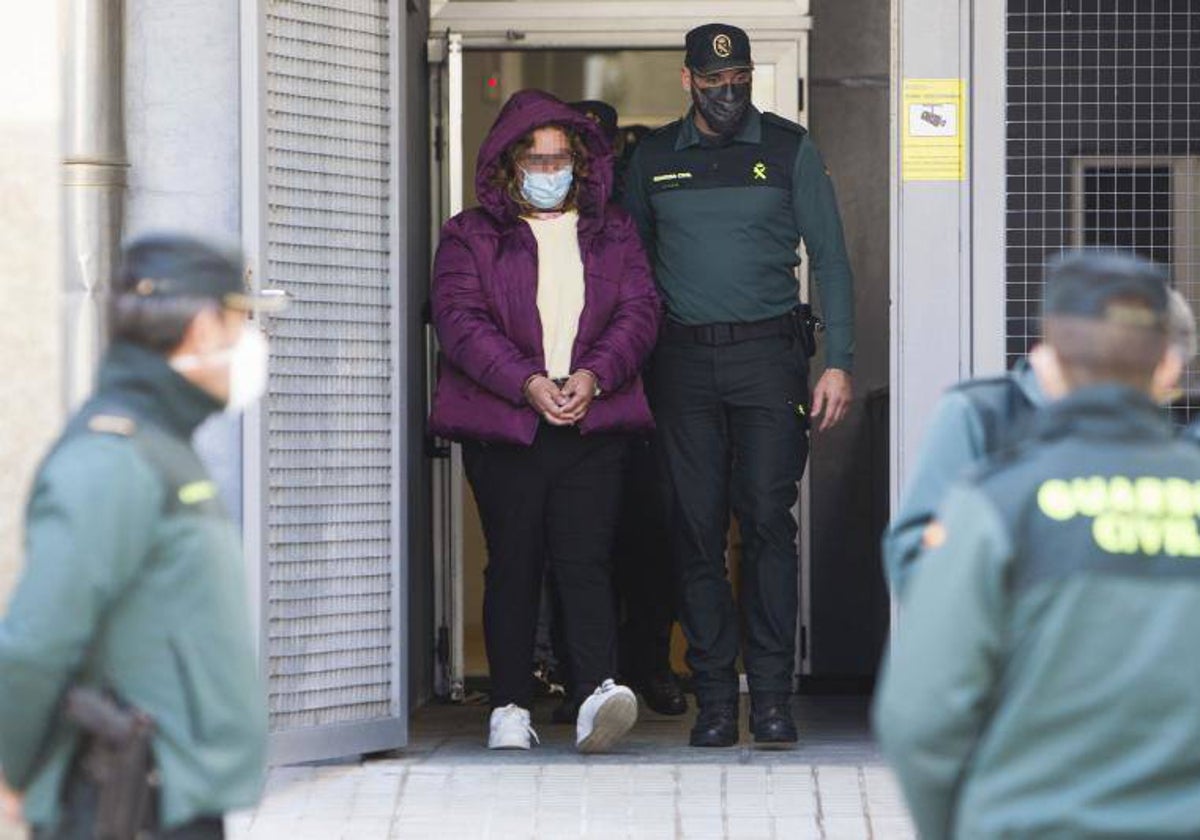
{"type": "Point", "coordinates": [118, 760]}
{"type": "Point", "coordinates": [807, 327]}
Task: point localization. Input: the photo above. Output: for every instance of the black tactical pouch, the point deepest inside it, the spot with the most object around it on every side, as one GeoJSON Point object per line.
{"type": "Point", "coordinates": [807, 327]}
{"type": "Point", "coordinates": [118, 760]}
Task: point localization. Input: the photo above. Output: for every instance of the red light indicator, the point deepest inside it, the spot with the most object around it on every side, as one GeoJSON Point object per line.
{"type": "Point", "coordinates": [491, 88]}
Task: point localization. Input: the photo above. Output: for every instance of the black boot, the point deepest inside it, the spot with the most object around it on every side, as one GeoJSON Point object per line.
{"type": "Point", "coordinates": [663, 694]}
{"type": "Point", "coordinates": [716, 726]}
{"type": "Point", "coordinates": [771, 722]}
{"type": "Point", "coordinates": [566, 711]}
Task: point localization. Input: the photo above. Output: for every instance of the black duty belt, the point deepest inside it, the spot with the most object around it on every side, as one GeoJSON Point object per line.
{"type": "Point", "coordinates": [716, 335]}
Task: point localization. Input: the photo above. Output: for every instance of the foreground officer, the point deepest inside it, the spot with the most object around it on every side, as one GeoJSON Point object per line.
{"type": "Point", "coordinates": [1043, 679]}
{"type": "Point", "coordinates": [133, 578]}
{"type": "Point", "coordinates": [722, 199]}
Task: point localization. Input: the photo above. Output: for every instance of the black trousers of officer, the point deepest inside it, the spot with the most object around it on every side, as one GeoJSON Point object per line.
{"type": "Point", "coordinates": [556, 502]}
{"type": "Point", "coordinates": [733, 431]}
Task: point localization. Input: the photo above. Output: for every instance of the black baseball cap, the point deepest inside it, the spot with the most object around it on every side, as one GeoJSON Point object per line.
{"type": "Point", "coordinates": [165, 264]}
{"type": "Point", "coordinates": [1110, 286]}
{"type": "Point", "coordinates": [601, 113]}
{"type": "Point", "coordinates": [717, 46]}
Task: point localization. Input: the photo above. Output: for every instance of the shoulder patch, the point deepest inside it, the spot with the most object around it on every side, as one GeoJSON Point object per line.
{"type": "Point", "coordinates": [785, 124]}
{"type": "Point", "coordinates": [112, 424]}
{"type": "Point", "coordinates": [197, 492]}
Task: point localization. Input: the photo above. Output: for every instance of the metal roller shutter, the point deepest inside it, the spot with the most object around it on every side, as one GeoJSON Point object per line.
{"type": "Point", "coordinates": [329, 424]}
{"type": "Point", "coordinates": [1103, 143]}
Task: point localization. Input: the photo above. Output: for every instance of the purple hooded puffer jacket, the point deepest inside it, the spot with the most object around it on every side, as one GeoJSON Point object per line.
{"type": "Point", "coordinates": [485, 297]}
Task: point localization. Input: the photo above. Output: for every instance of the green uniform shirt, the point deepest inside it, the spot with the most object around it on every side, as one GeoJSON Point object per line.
{"type": "Point", "coordinates": [133, 582]}
{"type": "Point", "coordinates": [1043, 681]}
{"type": "Point", "coordinates": [723, 223]}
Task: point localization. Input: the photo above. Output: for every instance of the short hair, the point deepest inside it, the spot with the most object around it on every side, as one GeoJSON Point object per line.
{"type": "Point", "coordinates": [157, 324]}
{"type": "Point", "coordinates": [1181, 325]}
{"type": "Point", "coordinates": [1093, 352]}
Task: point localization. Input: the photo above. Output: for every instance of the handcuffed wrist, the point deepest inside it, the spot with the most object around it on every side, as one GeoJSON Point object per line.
{"type": "Point", "coordinates": [595, 380]}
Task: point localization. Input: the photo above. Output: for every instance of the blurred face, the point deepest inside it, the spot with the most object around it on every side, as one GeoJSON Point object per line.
{"type": "Point", "coordinates": [550, 152]}
{"type": "Point", "coordinates": [203, 357]}
{"type": "Point", "coordinates": [547, 170]}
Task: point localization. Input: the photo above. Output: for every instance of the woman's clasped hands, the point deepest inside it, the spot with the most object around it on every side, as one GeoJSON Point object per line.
{"type": "Point", "coordinates": [565, 405]}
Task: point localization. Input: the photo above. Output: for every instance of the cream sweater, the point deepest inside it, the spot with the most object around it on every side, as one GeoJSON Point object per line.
{"type": "Point", "coordinates": [560, 288]}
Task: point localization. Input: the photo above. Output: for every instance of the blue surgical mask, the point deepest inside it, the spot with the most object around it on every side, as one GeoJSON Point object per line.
{"type": "Point", "coordinates": [547, 190]}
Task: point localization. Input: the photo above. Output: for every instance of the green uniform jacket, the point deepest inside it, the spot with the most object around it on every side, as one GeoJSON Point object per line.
{"type": "Point", "coordinates": [1044, 681]}
{"type": "Point", "coordinates": [722, 224]}
{"type": "Point", "coordinates": [970, 422]}
{"type": "Point", "coordinates": [133, 581]}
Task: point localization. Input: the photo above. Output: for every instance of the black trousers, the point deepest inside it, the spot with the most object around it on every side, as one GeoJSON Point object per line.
{"type": "Point", "coordinates": [553, 502]}
{"type": "Point", "coordinates": [81, 799]}
{"type": "Point", "coordinates": [733, 432]}
{"type": "Point", "coordinates": [644, 576]}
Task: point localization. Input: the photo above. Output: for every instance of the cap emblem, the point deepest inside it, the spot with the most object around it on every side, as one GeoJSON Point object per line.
{"type": "Point", "coordinates": [722, 46]}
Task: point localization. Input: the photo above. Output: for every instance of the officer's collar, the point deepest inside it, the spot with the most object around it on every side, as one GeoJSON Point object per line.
{"type": "Point", "coordinates": [1104, 411]}
{"type": "Point", "coordinates": [750, 132]}
{"type": "Point", "coordinates": [1026, 380]}
{"type": "Point", "coordinates": [144, 381]}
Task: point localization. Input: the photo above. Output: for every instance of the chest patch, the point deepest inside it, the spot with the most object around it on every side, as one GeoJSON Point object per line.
{"type": "Point", "coordinates": [738, 166]}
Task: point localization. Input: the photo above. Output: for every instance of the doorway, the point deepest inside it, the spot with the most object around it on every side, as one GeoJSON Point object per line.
{"type": "Point", "coordinates": [472, 87]}
{"type": "Point", "coordinates": [488, 51]}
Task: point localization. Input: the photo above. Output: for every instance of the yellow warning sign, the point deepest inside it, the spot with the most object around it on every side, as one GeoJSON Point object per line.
{"type": "Point", "coordinates": [933, 140]}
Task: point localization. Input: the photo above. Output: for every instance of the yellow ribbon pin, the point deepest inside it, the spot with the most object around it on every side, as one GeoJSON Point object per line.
{"type": "Point", "coordinates": [760, 171]}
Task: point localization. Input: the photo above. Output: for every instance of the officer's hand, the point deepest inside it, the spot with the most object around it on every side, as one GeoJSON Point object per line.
{"type": "Point", "coordinates": [580, 390]}
{"type": "Point", "coordinates": [832, 397]}
{"type": "Point", "coordinates": [546, 400]}
{"type": "Point", "coordinates": [10, 802]}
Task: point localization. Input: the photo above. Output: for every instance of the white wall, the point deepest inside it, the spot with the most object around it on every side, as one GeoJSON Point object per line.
{"type": "Point", "coordinates": [30, 324]}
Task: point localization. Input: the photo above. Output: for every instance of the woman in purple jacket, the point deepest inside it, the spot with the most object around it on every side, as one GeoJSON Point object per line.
{"type": "Point", "coordinates": [545, 309]}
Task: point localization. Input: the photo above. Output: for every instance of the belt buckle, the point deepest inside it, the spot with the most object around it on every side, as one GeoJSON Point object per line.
{"type": "Point", "coordinates": [718, 335]}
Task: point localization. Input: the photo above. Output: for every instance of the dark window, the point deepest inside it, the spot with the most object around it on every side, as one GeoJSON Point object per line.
{"type": "Point", "coordinates": [1097, 84]}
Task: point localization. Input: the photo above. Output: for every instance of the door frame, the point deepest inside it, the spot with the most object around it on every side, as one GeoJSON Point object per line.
{"type": "Point", "coordinates": [776, 26]}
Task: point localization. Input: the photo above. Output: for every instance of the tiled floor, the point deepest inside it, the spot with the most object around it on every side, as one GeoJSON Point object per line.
{"type": "Point", "coordinates": [447, 786]}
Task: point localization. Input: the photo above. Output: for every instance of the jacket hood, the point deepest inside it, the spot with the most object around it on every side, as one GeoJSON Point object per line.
{"type": "Point", "coordinates": [525, 111]}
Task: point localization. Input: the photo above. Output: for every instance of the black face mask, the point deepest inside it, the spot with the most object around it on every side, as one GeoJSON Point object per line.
{"type": "Point", "coordinates": [724, 108]}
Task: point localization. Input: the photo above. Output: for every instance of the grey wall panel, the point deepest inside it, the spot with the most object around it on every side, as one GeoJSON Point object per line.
{"type": "Point", "coordinates": [332, 657]}
{"type": "Point", "coordinates": [184, 148]}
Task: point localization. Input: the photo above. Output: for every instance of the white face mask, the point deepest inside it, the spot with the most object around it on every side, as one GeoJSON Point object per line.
{"type": "Point", "coordinates": [247, 360]}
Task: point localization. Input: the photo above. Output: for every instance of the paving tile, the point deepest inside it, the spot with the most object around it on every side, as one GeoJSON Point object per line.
{"type": "Point", "coordinates": [845, 828]}
{"type": "Point", "coordinates": [797, 828]}
{"type": "Point", "coordinates": [749, 828]}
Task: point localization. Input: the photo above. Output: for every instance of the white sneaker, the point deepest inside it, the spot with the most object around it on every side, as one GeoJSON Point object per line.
{"type": "Point", "coordinates": [605, 718]}
{"type": "Point", "coordinates": [510, 730]}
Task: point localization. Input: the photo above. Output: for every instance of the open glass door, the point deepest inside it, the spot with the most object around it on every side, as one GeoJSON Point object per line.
{"type": "Point", "coordinates": [476, 62]}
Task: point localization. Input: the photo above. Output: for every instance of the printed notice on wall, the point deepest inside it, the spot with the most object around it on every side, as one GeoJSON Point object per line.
{"type": "Point", "coordinates": [933, 141]}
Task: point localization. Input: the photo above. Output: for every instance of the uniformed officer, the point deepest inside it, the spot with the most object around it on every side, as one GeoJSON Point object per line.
{"type": "Point", "coordinates": [1043, 678]}
{"type": "Point", "coordinates": [133, 581]}
{"type": "Point", "coordinates": [723, 198]}
{"type": "Point", "coordinates": [978, 418]}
